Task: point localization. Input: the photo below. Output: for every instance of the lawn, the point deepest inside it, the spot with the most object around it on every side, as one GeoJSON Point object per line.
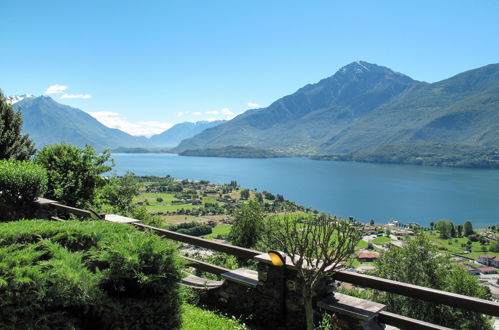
{"type": "Point", "coordinates": [453, 245]}
{"type": "Point", "coordinates": [382, 240]}
{"type": "Point", "coordinates": [194, 318]}
{"type": "Point", "coordinates": [361, 245]}
{"type": "Point", "coordinates": [219, 230]}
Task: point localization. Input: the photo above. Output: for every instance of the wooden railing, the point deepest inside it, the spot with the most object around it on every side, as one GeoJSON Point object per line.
{"type": "Point", "coordinates": [409, 290]}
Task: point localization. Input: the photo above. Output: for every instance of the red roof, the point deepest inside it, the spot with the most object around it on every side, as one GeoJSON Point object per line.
{"type": "Point", "coordinates": [487, 269]}
{"type": "Point", "coordinates": [367, 255]}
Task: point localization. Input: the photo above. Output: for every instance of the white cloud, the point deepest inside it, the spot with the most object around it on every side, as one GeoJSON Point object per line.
{"type": "Point", "coordinates": [197, 113]}
{"type": "Point", "coordinates": [213, 112]}
{"type": "Point", "coordinates": [181, 113]}
{"type": "Point", "coordinates": [253, 105]}
{"type": "Point", "coordinates": [116, 120]}
{"type": "Point", "coordinates": [56, 89]}
{"type": "Point", "coordinates": [211, 119]}
{"type": "Point", "coordinates": [76, 96]}
{"type": "Point", "coordinates": [226, 111]}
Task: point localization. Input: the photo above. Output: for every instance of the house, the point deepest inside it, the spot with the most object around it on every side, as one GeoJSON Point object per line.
{"type": "Point", "coordinates": [495, 262]}
{"type": "Point", "coordinates": [472, 270]}
{"type": "Point", "coordinates": [367, 256]}
{"type": "Point", "coordinates": [486, 260]}
{"type": "Point", "coordinates": [487, 270]}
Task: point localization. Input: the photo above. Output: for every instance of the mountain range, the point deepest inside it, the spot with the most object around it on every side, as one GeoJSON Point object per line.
{"type": "Point", "coordinates": [49, 122]}
{"type": "Point", "coordinates": [365, 105]}
{"type": "Point", "coordinates": [174, 135]}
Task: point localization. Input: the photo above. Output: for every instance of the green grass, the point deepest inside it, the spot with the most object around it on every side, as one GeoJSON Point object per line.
{"type": "Point", "coordinates": [194, 318]}
{"type": "Point", "coordinates": [158, 208]}
{"type": "Point", "coordinates": [362, 244]}
{"type": "Point", "coordinates": [218, 230]}
{"type": "Point", "coordinates": [455, 246]}
{"type": "Point", "coordinates": [382, 240]}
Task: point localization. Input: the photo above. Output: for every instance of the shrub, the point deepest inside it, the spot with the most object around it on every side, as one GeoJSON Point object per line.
{"type": "Point", "coordinates": [76, 275]}
{"type": "Point", "coordinates": [192, 228]}
{"type": "Point", "coordinates": [21, 182]}
{"type": "Point", "coordinates": [74, 174]}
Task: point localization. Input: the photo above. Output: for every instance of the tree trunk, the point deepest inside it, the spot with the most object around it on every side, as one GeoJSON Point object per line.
{"type": "Point", "coordinates": [309, 310]}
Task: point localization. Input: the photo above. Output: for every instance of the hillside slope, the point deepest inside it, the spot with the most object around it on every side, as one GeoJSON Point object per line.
{"type": "Point", "coordinates": [365, 105]}
{"type": "Point", "coordinates": [174, 135]}
{"type": "Point", "coordinates": [49, 122]}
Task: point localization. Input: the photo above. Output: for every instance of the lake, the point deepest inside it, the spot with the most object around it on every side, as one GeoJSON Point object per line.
{"type": "Point", "coordinates": [365, 191]}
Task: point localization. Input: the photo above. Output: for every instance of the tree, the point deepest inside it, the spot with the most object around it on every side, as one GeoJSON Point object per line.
{"type": "Point", "coordinates": [119, 192]}
{"type": "Point", "coordinates": [452, 232]}
{"type": "Point", "coordinates": [432, 225]}
{"type": "Point", "coordinates": [468, 228]}
{"type": "Point", "coordinates": [74, 174]}
{"type": "Point", "coordinates": [13, 144]}
{"type": "Point", "coordinates": [371, 222]}
{"type": "Point", "coordinates": [259, 197]}
{"type": "Point", "coordinates": [315, 246]}
{"type": "Point", "coordinates": [459, 230]}
{"type": "Point", "coordinates": [248, 225]}
{"type": "Point", "coordinates": [419, 262]}
{"type": "Point", "coordinates": [245, 194]}
{"type": "Point", "coordinates": [444, 228]}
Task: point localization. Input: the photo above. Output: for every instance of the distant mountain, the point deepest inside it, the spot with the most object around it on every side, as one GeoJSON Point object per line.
{"type": "Point", "coordinates": [174, 135]}
{"type": "Point", "coordinates": [365, 105]}
{"type": "Point", "coordinates": [49, 122]}
{"type": "Point", "coordinates": [313, 115]}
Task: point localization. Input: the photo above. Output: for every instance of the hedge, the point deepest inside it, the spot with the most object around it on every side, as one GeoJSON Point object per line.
{"type": "Point", "coordinates": [21, 182]}
{"type": "Point", "coordinates": [86, 275]}
{"type": "Point", "coordinates": [192, 228]}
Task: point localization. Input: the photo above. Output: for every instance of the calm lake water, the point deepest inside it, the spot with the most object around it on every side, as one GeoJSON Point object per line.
{"type": "Point", "coordinates": [365, 191]}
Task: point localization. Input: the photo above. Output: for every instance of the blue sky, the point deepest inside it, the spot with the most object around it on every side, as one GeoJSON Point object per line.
{"type": "Point", "coordinates": [144, 65]}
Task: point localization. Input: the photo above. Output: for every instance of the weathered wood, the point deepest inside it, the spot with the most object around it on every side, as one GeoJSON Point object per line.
{"type": "Point", "coordinates": [200, 283]}
{"type": "Point", "coordinates": [206, 267]}
{"type": "Point", "coordinates": [119, 219]}
{"type": "Point", "coordinates": [404, 322]}
{"type": "Point", "coordinates": [73, 210]}
{"type": "Point", "coordinates": [351, 306]}
{"type": "Point", "coordinates": [44, 201]}
{"type": "Point", "coordinates": [56, 219]}
{"type": "Point", "coordinates": [242, 276]}
{"type": "Point", "coordinates": [415, 291]}
{"type": "Point", "coordinates": [216, 246]}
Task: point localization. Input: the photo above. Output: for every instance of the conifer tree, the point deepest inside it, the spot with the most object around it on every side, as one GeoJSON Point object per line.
{"type": "Point", "coordinates": [13, 144]}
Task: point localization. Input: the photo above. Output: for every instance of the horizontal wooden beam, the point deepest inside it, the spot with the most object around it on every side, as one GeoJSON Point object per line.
{"type": "Point", "coordinates": [415, 291]}
{"type": "Point", "coordinates": [206, 267]}
{"type": "Point", "coordinates": [404, 322]}
{"type": "Point", "coordinates": [201, 242]}
{"type": "Point", "coordinates": [73, 210]}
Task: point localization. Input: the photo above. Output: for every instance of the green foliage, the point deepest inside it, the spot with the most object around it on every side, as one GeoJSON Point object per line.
{"type": "Point", "coordinates": [245, 194]}
{"type": "Point", "coordinates": [192, 228]}
{"type": "Point", "coordinates": [248, 225]}
{"type": "Point", "coordinates": [74, 174]}
{"type": "Point", "coordinates": [494, 247]}
{"type": "Point", "coordinates": [468, 228]}
{"type": "Point", "coordinates": [21, 182]}
{"type": "Point", "coordinates": [77, 275]}
{"type": "Point", "coordinates": [419, 263]}
{"type": "Point", "coordinates": [232, 152]}
{"type": "Point", "coordinates": [118, 193]}
{"type": "Point", "coordinates": [13, 144]}
{"type": "Point", "coordinates": [428, 154]}
{"type": "Point", "coordinates": [445, 228]}
{"type": "Point", "coordinates": [195, 318]}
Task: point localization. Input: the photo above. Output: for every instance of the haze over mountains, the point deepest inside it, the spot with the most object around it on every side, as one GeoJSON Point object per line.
{"type": "Point", "coordinates": [364, 105]}
{"type": "Point", "coordinates": [361, 106]}
{"type": "Point", "coordinates": [48, 122]}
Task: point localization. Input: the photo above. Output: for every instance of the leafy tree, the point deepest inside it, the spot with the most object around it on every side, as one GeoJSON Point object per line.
{"type": "Point", "coordinates": [74, 174]}
{"type": "Point", "coordinates": [315, 246]}
{"type": "Point", "coordinates": [13, 144]}
{"type": "Point", "coordinates": [468, 228]}
{"type": "Point", "coordinates": [371, 222]}
{"type": "Point", "coordinates": [245, 194]}
{"type": "Point", "coordinates": [444, 228]}
{"type": "Point", "coordinates": [279, 198]}
{"type": "Point", "coordinates": [452, 232]}
{"type": "Point", "coordinates": [494, 247]}
{"type": "Point", "coordinates": [248, 225]}
{"type": "Point", "coordinates": [459, 230]}
{"type": "Point", "coordinates": [419, 263]}
{"type": "Point", "coordinates": [259, 197]}
{"type": "Point", "coordinates": [118, 193]}
{"type": "Point", "coordinates": [432, 225]}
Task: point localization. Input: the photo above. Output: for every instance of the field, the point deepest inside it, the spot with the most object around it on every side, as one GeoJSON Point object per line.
{"type": "Point", "coordinates": [194, 318]}
{"type": "Point", "coordinates": [453, 246]}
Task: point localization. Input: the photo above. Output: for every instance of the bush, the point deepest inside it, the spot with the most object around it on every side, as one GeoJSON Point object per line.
{"type": "Point", "coordinates": [74, 174]}
{"type": "Point", "coordinates": [21, 182]}
{"type": "Point", "coordinates": [192, 228]}
{"type": "Point", "coordinates": [77, 275]}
